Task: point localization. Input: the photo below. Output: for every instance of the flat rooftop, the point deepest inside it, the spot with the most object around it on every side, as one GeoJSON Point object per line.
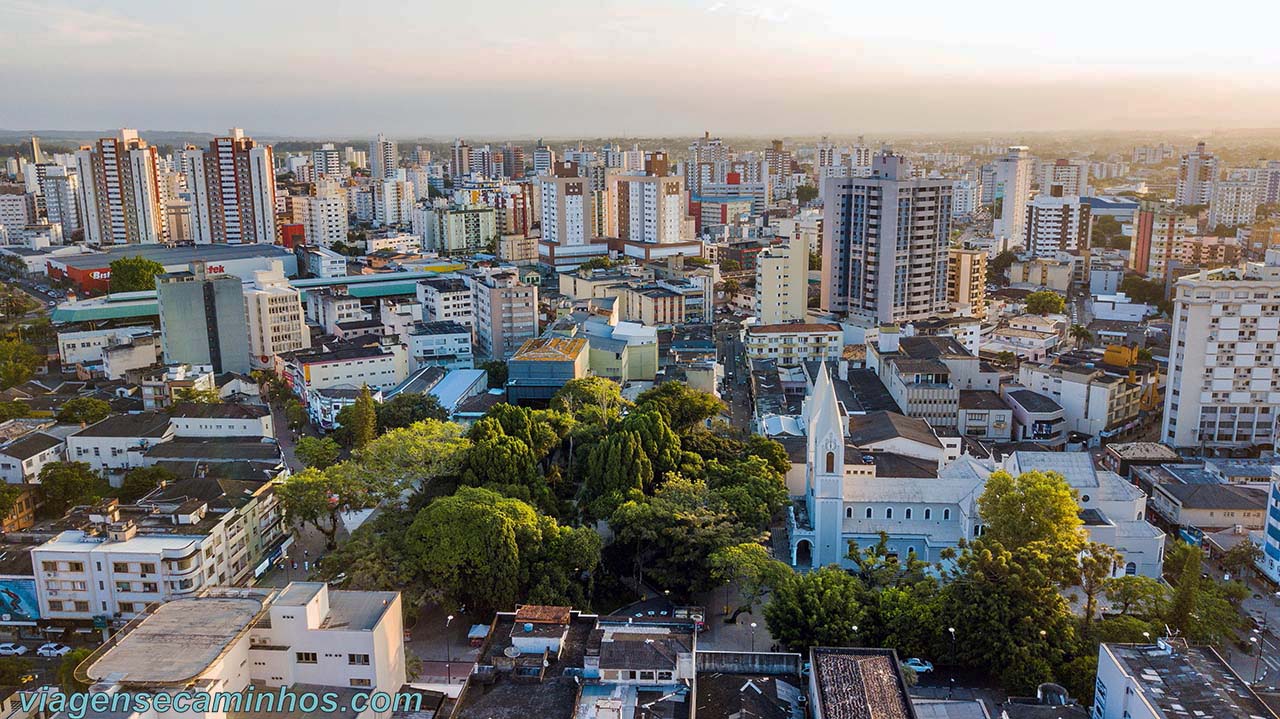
{"type": "Point", "coordinates": [1188, 682]}
{"type": "Point", "coordinates": [177, 642]}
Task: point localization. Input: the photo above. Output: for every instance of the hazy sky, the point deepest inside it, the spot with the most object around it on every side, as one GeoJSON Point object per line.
{"type": "Point", "coordinates": [563, 68]}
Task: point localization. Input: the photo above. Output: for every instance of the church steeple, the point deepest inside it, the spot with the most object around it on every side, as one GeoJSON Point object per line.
{"type": "Point", "coordinates": [825, 434]}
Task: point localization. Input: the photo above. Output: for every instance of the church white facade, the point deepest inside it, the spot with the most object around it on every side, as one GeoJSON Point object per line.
{"type": "Point", "coordinates": [843, 504]}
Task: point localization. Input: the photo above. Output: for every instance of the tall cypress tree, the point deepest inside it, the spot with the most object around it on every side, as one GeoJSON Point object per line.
{"type": "Point", "coordinates": [364, 419]}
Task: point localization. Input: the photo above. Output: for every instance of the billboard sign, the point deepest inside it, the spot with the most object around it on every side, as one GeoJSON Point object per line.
{"type": "Point", "coordinates": [18, 603]}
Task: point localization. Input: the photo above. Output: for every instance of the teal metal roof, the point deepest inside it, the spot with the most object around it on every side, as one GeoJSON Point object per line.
{"type": "Point", "coordinates": [70, 312]}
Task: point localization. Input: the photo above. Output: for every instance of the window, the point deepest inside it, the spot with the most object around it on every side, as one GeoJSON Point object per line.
{"type": "Point", "coordinates": [82, 606]}
{"type": "Point", "coordinates": [49, 566]}
{"type": "Point", "coordinates": [928, 513]}
{"type": "Point", "coordinates": [848, 513]}
{"type": "Point", "coordinates": [888, 512]}
{"type": "Point", "coordinates": [357, 682]}
{"type": "Point", "coordinates": [55, 605]}
{"type": "Point", "coordinates": [358, 659]}
{"type": "Point", "coordinates": [75, 566]}
{"type": "Point", "coordinates": [831, 462]}
{"type": "Point", "coordinates": [123, 587]}
{"type": "Point", "coordinates": [150, 587]}
{"type": "Point", "coordinates": [868, 513]}
{"type": "Point", "coordinates": [125, 607]}
{"type": "Point", "coordinates": [120, 567]}
{"type": "Point", "coordinates": [306, 657]}
{"type": "Point", "coordinates": [946, 514]}
{"type": "Point", "coordinates": [148, 568]}
{"type": "Point", "coordinates": [908, 513]}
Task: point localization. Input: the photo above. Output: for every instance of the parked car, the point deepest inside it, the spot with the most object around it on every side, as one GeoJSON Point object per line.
{"type": "Point", "coordinates": [52, 649]}
{"type": "Point", "coordinates": [919, 666]}
{"type": "Point", "coordinates": [9, 649]}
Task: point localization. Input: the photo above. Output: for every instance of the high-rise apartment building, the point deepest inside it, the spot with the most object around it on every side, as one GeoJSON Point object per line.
{"type": "Point", "coordinates": [202, 319]}
{"type": "Point", "coordinates": [59, 186]}
{"type": "Point", "coordinates": [568, 215]}
{"type": "Point", "coordinates": [327, 161]}
{"type": "Point", "coordinates": [1267, 179]}
{"type": "Point", "coordinates": [543, 158]}
{"type": "Point", "coordinates": [119, 191]}
{"type": "Point", "coordinates": [1057, 222]}
{"type": "Point", "coordinates": [1010, 190]}
{"type": "Point", "coordinates": [461, 161]}
{"type": "Point", "coordinates": [232, 186]}
{"type": "Point", "coordinates": [782, 283]}
{"type": "Point", "coordinates": [384, 158]}
{"type": "Point", "coordinates": [884, 250]}
{"type": "Point", "coordinates": [967, 282]}
{"type": "Point", "coordinates": [324, 217]}
{"type": "Point", "coordinates": [276, 320]}
{"type": "Point", "coordinates": [1197, 172]}
{"type": "Point", "coordinates": [1224, 379]}
{"type": "Point", "coordinates": [392, 202]}
{"type": "Point", "coordinates": [506, 312]}
{"type": "Point", "coordinates": [1158, 230]}
{"type": "Point", "coordinates": [651, 209]}
{"type": "Point", "coordinates": [1233, 202]}
{"type": "Point", "coordinates": [513, 160]}
{"type": "Point", "coordinates": [1071, 176]}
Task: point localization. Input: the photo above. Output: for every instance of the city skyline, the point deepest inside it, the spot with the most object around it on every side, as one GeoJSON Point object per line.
{"type": "Point", "coordinates": [667, 68]}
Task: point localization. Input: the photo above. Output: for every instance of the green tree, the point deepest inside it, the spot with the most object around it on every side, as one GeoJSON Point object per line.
{"type": "Point", "coordinates": [999, 266]}
{"type": "Point", "coordinates": [728, 265]}
{"type": "Point", "coordinates": [1137, 596]}
{"type": "Point", "coordinates": [1006, 358]}
{"type": "Point", "coordinates": [1140, 289]}
{"type": "Point", "coordinates": [1108, 233]}
{"type": "Point", "coordinates": [590, 399]}
{"type": "Point", "coordinates": [752, 569]}
{"type": "Point", "coordinates": [67, 670]}
{"type": "Point", "coordinates": [408, 458]}
{"type": "Point", "coordinates": [754, 491]}
{"type": "Point", "coordinates": [597, 263]}
{"type": "Point", "coordinates": [319, 498]}
{"type": "Point", "coordinates": [770, 451]}
{"type": "Point", "coordinates": [818, 608]}
{"type": "Point", "coordinates": [681, 405]}
{"type": "Point", "coordinates": [12, 669]}
{"type": "Point", "coordinates": [375, 558]}
{"type": "Point", "coordinates": [1097, 563]}
{"type": "Point", "coordinates": [362, 423]}
{"type": "Point", "coordinates": [815, 261]}
{"type": "Point", "coordinates": [1186, 593]}
{"type": "Point", "coordinates": [806, 194]}
{"type": "Point", "coordinates": [671, 535]}
{"type": "Point", "coordinates": [295, 414]}
{"type": "Point", "coordinates": [409, 408]}
{"type": "Point", "coordinates": [140, 480]}
{"type": "Point", "coordinates": [504, 463]}
{"type": "Point", "coordinates": [18, 362]}
{"type": "Point", "coordinates": [1081, 335]}
{"type": "Point", "coordinates": [497, 371]}
{"type": "Point", "coordinates": [317, 452]}
{"type": "Point", "coordinates": [1035, 511]}
{"type": "Point", "coordinates": [13, 410]}
{"type": "Point", "coordinates": [616, 468]}
{"type": "Point", "coordinates": [84, 410]}
{"type": "Point", "coordinates": [198, 396]}
{"type": "Point", "coordinates": [66, 484]}
{"type": "Point", "coordinates": [1241, 559]}
{"type": "Point", "coordinates": [9, 495]}
{"type": "Point", "coordinates": [1045, 302]}
{"type": "Point", "coordinates": [479, 548]}
{"type": "Point", "coordinates": [1015, 622]}
{"type": "Point", "coordinates": [134, 274]}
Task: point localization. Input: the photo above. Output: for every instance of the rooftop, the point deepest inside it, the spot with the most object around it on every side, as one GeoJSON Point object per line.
{"type": "Point", "coordinates": [447, 327]}
{"type": "Point", "coordinates": [1217, 496]}
{"type": "Point", "coordinates": [981, 399]}
{"type": "Point", "coordinates": [143, 424]}
{"type": "Point", "coordinates": [873, 427]}
{"type": "Point", "coordinates": [550, 349]}
{"type": "Point", "coordinates": [756, 696]}
{"type": "Point", "coordinates": [178, 641]}
{"type": "Point", "coordinates": [217, 449]}
{"type": "Point", "coordinates": [1144, 451]}
{"type": "Point", "coordinates": [791, 328]}
{"type": "Point", "coordinates": [1183, 681]}
{"type": "Point", "coordinates": [30, 445]}
{"type": "Point", "coordinates": [1034, 401]}
{"type": "Point", "coordinates": [226, 410]}
{"type": "Point", "coordinates": [859, 684]}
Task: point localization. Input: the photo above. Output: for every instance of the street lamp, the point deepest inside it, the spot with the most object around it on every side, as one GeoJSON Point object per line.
{"type": "Point", "coordinates": [1257, 660]}
{"type": "Point", "coordinates": [953, 643]}
{"type": "Point", "coordinates": [448, 650]}
{"type": "Point", "coordinates": [855, 635]}
{"type": "Point", "coordinates": [753, 636]}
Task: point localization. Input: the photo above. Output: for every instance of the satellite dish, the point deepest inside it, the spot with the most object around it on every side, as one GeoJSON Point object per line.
{"type": "Point", "coordinates": [511, 652]}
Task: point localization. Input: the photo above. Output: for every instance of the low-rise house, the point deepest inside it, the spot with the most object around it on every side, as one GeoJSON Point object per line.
{"type": "Point", "coordinates": [1036, 417]}
{"type": "Point", "coordinates": [1031, 345]}
{"type": "Point", "coordinates": [1210, 507]}
{"type": "Point", "coordinates": [984, 415]}
{"type": "Point", "coordinates": [22, 459]}
{"type": "Point", "coordinates": [118, 443]}
{"type": "Point", "coordinates": [192, 419]}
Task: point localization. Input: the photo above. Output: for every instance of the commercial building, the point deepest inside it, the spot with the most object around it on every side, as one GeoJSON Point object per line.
{"type": "Point", "coordinates": [439, 344]}
{"type": "Point", "coordinates": [794, 343]}
{"type": "Point", "coordinates": [541, 366]}
{"type": "Point", "coordinates": [967, 282]}
{"type": "Point", "coordinates": [251, 642]}
{"type": "Point", "coordinates": [1197, 173]}
{"type": "Point", "coordinates": [202, 319]}
{"type": "Point", "coordinates": [276, 320]}
{"type": "Point", "coordinates": [881, 266]}
{"type": "Point", "coordinates": [782, 283]}
{"type": "Point", "coordinates": [120, 193]}
{"type": "Point", "coordinates": [232, 187]}
{"type": "Point", "coordinates": [1094, 402]}
{"type": "Point", "coordinates": [90, 272]}
{"type": "Point", "coordinates": [1171, 678]}
{"type": "Point", "coordinates": [506, 313]}
{"type": "Point", "coordinates": [1224, 381]}
{"type": "Point", "coordinates": [119, 442]}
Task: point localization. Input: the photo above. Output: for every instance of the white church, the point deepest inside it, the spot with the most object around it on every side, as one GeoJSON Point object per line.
{"type": "Point", "coordinates": [844, 504]}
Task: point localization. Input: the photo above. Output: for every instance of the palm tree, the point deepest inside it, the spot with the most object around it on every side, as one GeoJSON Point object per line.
{"type": "Point", "coordinates": [1081, 335]}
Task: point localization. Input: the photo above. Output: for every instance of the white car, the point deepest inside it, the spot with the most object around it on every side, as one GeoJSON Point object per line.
{"type": "Point", "coordinates": [919, 666]}
{"type": "Point", "coordinates": [9, 649]}
{"type": "Point", "coordinates": [52, 649]}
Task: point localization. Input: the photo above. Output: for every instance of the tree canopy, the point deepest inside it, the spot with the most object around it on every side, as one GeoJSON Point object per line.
{"type": "Point", "coordinates": [18, 362]}
{"type": "Point", "coordinates": [317, 452]}
{"type": "Point", "coordinates": [134, 274]}
{"type": "Point", "coordinates": [681, 405]}
{"type": "Point", "coordinates": [67, 484]}
{"type": "Point", "coordinates": [1045, 302]}
{"type": "Point", "coordinates": [140, 480]}
{"type": "Point", "coordinates": [86, 410]}
{"type": "Point", "coordinates": [408, 408]}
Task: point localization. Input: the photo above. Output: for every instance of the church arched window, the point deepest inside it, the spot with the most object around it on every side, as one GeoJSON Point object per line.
{"type": "Point", "coordinates": [928, 513]}
{"type": "Point", "coordinates": [888, 512]}
{"type": "Point", "coordinates": [831, 462]}
{"type": "Point", "coordinates": [908, 514]}
{"type": "Point", "coordinates": [868, 513]}
{"type": "Point", "coordinates": [946, 514]}
{"type": "Point", "coordinates": [848, 513]}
